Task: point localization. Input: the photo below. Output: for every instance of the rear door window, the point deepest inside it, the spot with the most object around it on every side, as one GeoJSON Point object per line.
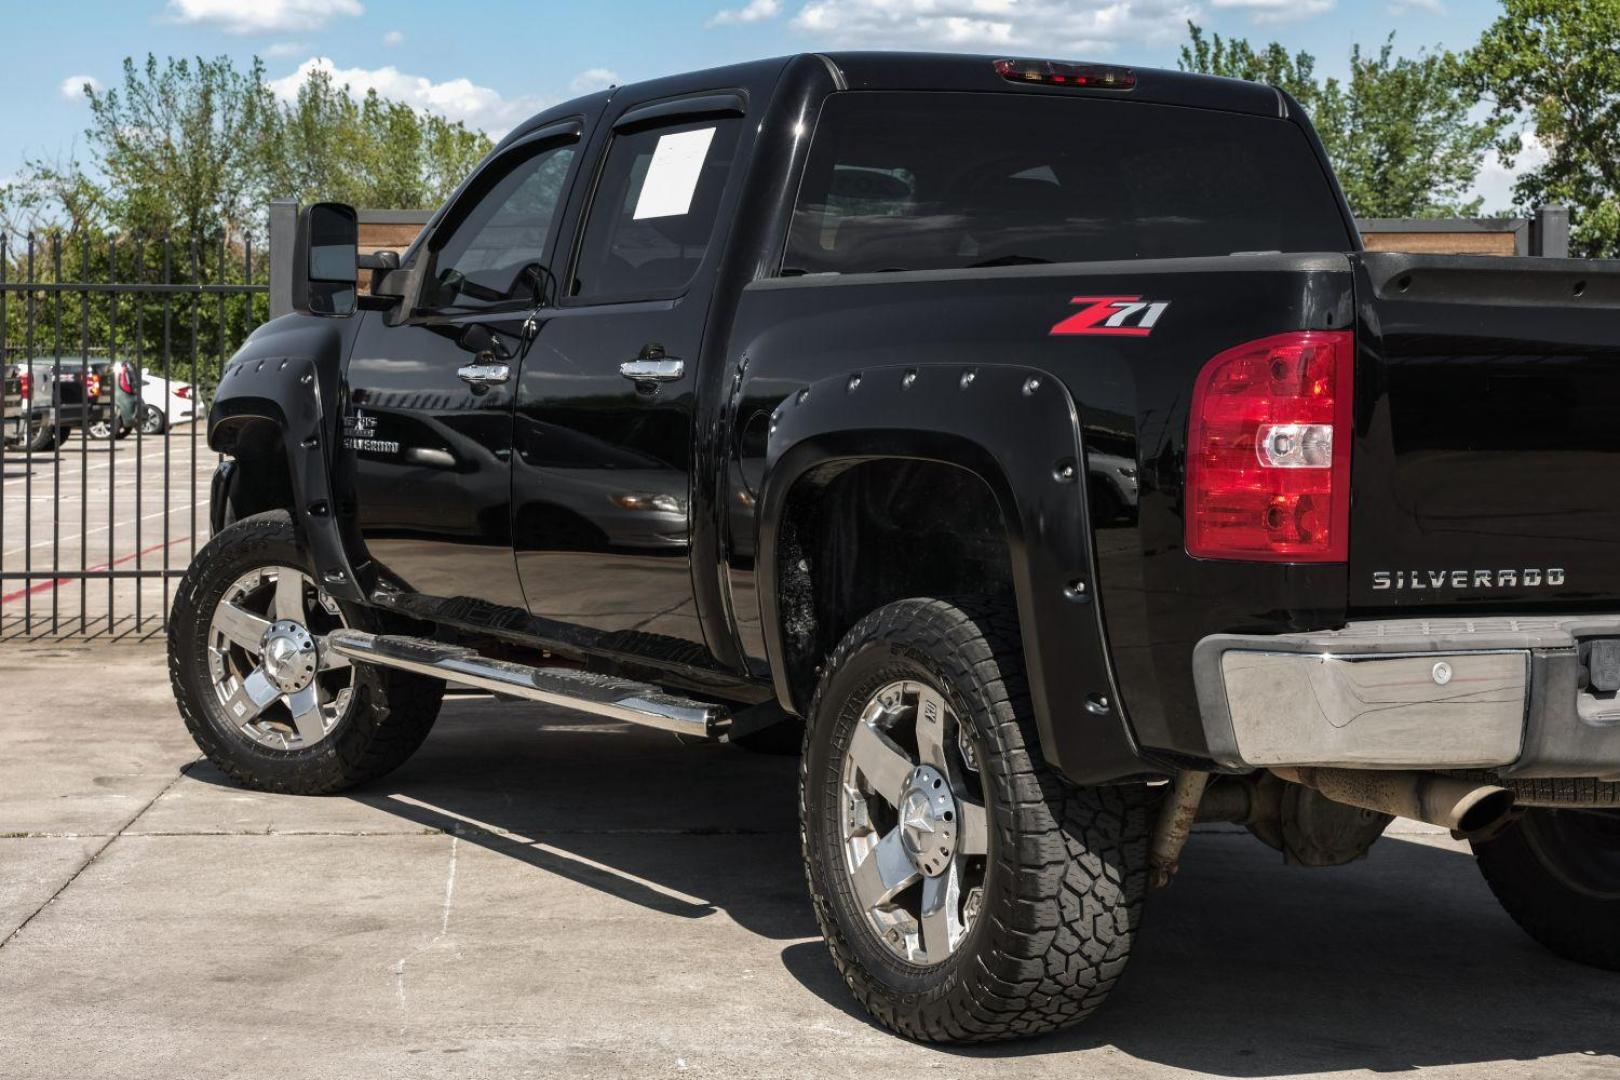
{"type": "Point", "coordinates": [923, 181]}
{"type": "Point", "coordinates": [654, 211]}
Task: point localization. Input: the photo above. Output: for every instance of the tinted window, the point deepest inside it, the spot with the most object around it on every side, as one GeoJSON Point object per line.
{"type": "Point", "coordinates": [914, 181]}
{"type": "Point", "coordinates": [654, 210]}
{"type": "Point", "coordinates": [489, 252]}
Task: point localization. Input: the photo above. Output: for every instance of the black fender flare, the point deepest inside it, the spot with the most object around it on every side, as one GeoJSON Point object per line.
{"type": "Point", "coordinates": [285, 375]}
{"type": "Point", "coordinates": [1017, 429]}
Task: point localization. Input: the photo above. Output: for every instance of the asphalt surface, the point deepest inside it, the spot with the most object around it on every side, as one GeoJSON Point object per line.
{"type": "Point", "coordinates": [139, 504]}
{"type": "Point", "coordinates": [538, 893]}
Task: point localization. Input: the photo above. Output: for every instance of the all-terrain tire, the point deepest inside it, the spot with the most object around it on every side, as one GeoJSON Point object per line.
{"type": "Point", "coordinates": [391, 712]}
{"type": "Point", "coordinates": [1066, 869]}
{"type": "Point", "coordinates": [1558, 876]}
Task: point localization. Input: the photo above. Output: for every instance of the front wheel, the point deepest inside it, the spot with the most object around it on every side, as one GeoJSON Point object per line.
{"type": "Point", "coordinates": [966, 891]}
{"type": "Point", "coordinates": [152, 420]}
{"type": "Point", "coordinates": [265, 699]}
{"type": "Point", "coordinates": [1557, 873]}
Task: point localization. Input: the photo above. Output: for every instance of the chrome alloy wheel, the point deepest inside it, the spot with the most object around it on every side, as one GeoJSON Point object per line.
{"type": "Point", "coordinates": [268, 661]}
{"type": "Point", "coordinates": [913, 819]}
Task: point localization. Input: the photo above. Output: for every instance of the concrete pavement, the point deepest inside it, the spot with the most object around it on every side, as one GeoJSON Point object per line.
{"type": "Point", "coordinates": [541, 894]}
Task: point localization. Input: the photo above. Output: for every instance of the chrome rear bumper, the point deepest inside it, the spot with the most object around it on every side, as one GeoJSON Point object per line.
{"type": "Point", "coordinates": [1416, 694]}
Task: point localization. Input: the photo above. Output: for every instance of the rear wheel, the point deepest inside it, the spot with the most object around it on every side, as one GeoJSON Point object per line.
{"type": "Point", "coordinates": [43, 437]}
{"type": "Point", "coordinates": [966, 891]}
{"type": "Point", "coordinates": [262, 695]}
{"type": "Point", "coordinates": [1557, 873]}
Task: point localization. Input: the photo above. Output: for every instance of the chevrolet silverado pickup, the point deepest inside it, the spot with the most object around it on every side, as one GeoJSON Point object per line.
{"type": "Point", "coordinates": [1029, 442]}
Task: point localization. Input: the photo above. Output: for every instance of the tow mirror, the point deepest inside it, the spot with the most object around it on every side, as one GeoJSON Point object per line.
{"type": "Point", "coordinates": [327, 266]}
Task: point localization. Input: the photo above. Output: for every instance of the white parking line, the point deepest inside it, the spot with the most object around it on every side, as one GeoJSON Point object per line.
{"type": "Point", "coordinates": [17, 456]}
{"type": "Point", "coordinates": [49, 540]}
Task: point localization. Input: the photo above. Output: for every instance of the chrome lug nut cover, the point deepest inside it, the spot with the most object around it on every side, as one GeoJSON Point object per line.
{"type": "Point", "coordinates": [289, 656]}
{"type": "Point", "coordinates": [928, 821]}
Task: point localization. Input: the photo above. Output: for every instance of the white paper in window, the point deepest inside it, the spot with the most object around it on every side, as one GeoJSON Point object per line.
{"type": "Point", "coordinates": [672, 177]}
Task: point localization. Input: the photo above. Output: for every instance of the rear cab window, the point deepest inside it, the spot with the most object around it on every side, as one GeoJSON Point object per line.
{"type": "Point", "coordinates": [926, 181]}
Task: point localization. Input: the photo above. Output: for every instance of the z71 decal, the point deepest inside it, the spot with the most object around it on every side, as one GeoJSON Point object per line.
{"type": "Point", "coordinates": [1119, 316]}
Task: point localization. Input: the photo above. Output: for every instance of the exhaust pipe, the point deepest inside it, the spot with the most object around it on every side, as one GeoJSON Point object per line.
{"type": "Point", "coordinates": [1463, 806]}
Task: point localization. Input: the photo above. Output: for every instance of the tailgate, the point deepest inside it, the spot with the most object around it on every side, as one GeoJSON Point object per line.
{"type": "Point", "coordinates": [1486, 467]}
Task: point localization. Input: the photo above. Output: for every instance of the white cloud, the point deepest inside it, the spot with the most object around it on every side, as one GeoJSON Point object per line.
{"type": "Point", "coordinates": [1276, 11]}
{"type": "Point", "coordinates": [262, 16]}
{"type": "Point", "coordinates": [753, 11]}
{"type": "Point", "coordinates": [455, 99]}
{"type": "Point", "coordinates": [1405, 7]}
{"type": "Point", "coordinates": [1495, 181]}
{"type": "Point", "coordinates": [1045, 25]}
{"type": "Point", "coordinates": [280, 50]}
{"type": "Point", "coordinates": [72, 88]}
{"type": "Point", "coordinates": [393, 38]}
{"type": "Point", "coordinates": [594, 79]}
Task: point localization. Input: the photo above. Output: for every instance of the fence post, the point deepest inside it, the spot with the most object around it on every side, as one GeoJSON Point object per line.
{"type": "Point", "coordinates": [283, 235]}
{"type": "Point", "coordinates": [1549, 232]}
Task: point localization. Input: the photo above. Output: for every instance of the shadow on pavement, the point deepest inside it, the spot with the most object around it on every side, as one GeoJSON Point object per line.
{"type": "Point", "coordinates": [1245, 967]}
{"type": "Point", "coordinates": [1249, 968]}
{"type": "Point", "coordinates": [614, 807]}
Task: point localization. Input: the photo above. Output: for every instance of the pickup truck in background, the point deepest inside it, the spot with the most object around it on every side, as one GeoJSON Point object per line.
{"type": "Point", "coordinates": [46, 400]}
{"type": "Point", "coordinates": [1030, 441]}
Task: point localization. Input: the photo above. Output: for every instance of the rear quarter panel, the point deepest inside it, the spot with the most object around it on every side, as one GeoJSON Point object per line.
{"type": "Point", "coordinates": [1130, 399]}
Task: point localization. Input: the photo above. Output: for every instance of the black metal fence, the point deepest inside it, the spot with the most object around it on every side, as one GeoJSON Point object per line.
{"type": "Point", "coordinates": [94, 526]}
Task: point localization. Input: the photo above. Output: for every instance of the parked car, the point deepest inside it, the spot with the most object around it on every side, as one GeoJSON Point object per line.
{"type": "Point", "coordinates": [166, 402]}
{"type": "Point", "coordinates": [46, 399]}
{"type": "Point", "coordinates": [1035, 435]}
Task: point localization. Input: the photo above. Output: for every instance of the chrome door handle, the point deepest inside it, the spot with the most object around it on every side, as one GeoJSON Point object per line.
{"type": "Point", "coordinates": [484, 374]}
{"type": "Point", "coordinates": [667, 369]}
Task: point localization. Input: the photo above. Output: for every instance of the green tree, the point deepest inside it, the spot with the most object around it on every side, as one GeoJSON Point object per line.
{"type": "Point", "coordinates": [180, 163]}
{"type": "Point", "coordinates": [372, 152]}
{"type": "Point", "coordinates": [1553, 67]}
{"type": "Point", "coordinates": [1397, 131]}
{"type": "Point", "coordinates": [173, 144]}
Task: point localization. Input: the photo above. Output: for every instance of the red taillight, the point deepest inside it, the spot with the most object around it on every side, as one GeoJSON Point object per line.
{"type": "Point", "coordinates": [92, 386]}
{"type": "Point", "coordinates": [25, 385]}
{"type": "Point", "coordinates": [1268, 450]}
{"type": "Point", "coordinates": [124, 382]}
{"type": "Point", "coordinates": [183, 392]}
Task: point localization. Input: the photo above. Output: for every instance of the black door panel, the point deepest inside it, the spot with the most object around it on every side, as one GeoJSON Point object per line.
{"type": "Point", "coordinates": [431, 459]}
{"type": "Point", "coordinates": [602, 476]}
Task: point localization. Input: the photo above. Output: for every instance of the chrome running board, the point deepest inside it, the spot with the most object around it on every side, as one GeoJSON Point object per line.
{"type": "Point", "coordinates": [601, 695]}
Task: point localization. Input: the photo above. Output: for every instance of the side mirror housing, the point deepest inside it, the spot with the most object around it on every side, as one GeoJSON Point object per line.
{"type": "Point", "coordinates": [326, 267]}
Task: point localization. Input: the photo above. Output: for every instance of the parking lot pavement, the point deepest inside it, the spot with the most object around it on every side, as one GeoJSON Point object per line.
{"type": "Point", "coordinates": [541, 894]}
{"type": "Point", "coordinates": [141, 503]}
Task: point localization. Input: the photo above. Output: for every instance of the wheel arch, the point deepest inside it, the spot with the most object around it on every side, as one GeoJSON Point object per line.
{"type": "Point", "coordinates": [274, 412]}
{"type": "Point", "coordinates": [1014, 432]}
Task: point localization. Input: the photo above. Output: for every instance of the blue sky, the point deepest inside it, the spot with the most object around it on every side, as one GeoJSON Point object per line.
{"type": "Point", "coordinates": [491, 62]}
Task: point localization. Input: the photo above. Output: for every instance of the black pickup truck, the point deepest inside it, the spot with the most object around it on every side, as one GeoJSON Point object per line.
{"type": "Point", "coordinates": [1033, 440]}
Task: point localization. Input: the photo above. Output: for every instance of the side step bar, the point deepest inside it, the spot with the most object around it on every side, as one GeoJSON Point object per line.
{"type": "Point", "coordinates": [601, 695]}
